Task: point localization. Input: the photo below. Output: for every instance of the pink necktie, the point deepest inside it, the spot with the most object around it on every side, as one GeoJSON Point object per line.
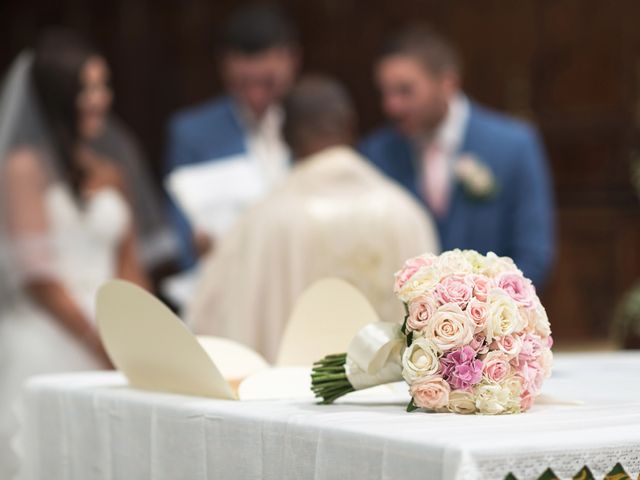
{"type": "Point", "coordinates": [435, 179]}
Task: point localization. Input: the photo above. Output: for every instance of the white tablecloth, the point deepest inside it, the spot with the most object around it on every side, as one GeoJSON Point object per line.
{"type": "Point", "coordinates": [92, 426]}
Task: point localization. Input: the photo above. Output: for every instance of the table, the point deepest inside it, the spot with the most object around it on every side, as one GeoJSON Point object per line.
{"type": "Point", "coordinates": [92, 426]}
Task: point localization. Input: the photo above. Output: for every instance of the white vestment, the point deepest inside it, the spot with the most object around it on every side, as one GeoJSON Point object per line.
{"type": "Point", "coordinates": [335, 215]}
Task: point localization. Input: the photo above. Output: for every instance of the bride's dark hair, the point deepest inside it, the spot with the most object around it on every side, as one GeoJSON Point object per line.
{"type": "Point", "coordinates": [59, 57]}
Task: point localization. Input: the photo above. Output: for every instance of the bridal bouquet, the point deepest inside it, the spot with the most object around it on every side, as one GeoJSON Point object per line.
{"type": "Point", "coordinates": [475, 339]}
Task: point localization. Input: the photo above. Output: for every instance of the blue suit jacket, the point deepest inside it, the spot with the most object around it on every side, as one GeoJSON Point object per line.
{"type": "Point", "coordinates": [518, 221]}
{"type": "Point", "coordinates": [210, 131]}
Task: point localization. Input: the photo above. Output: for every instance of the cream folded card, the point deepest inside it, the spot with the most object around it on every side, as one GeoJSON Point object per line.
{"type": "Point", "coordinates": [156, 351]}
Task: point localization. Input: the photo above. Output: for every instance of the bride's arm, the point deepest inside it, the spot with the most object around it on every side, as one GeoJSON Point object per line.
{"type": "Point", "coordinates": [27, 229]}
{"type": "Point", "coordinates": [129, 267]}
{"type": "Point", "coordinates": [55, 299]}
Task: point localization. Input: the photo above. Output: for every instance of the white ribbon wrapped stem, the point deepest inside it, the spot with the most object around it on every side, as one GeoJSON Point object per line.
{"type": "Point", "coordinates": [374, 355]}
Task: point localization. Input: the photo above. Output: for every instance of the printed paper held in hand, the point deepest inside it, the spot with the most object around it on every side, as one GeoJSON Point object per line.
{"type": "Point", "coordinates": [214, 193]}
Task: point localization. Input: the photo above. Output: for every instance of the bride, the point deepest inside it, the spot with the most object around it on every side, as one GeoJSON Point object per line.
{"type": "Point", "coordinates": [65, 221]}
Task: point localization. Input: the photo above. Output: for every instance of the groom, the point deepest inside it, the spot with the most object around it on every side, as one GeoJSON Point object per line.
{"type": "Point", "coordinates": [258, 58]}
{"type": "Point", "coordinates": [483, 176]}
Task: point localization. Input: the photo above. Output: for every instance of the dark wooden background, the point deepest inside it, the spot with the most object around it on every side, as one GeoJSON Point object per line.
{"type": "Point", "coordinates": [571, 66]}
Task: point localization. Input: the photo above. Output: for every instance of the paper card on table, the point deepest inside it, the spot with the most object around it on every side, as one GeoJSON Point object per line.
{"type": "Point", "coordinates": [152, 347]}
{"type": "Point", "coordinates": [325, 318]}
{"type": "Point", "coordinates": [156, 351]}
{"type": "Point", "coordinates": [212, 194]}
{"type": "Point", "coordinates": [235, 361]}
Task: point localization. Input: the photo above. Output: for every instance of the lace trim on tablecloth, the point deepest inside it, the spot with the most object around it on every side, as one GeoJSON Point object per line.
{"type": "Point", "coordinates": [530, 466]}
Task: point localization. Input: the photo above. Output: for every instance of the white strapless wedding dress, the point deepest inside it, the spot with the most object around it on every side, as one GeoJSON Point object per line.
{"type": "Point", "coordinates": [84, 242]}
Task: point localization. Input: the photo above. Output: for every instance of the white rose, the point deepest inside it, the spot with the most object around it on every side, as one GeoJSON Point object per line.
{"type": "Point", "coordinates": [494, 265]}
{"type": "Point", "coordinates": [461, 402]}
{"type": "Point", "coordinates": [454, 262]}
{"type": "Point", "coordinates": [504, 317]}
{"type": "Point", "coordinates": [420, 359]}
{"type": "Point", "coordinates": [449, 327]}
{"type": "Point", "coordinates": [476, 260]}
{"type": "Point", "coordinates": [422, 281]}
{"type": "Point", "coordinates": [514, 386]}
{"type": "Point", "coordinates": [537, 319]}
{"type": "Point", "coordinates": [493, 398]}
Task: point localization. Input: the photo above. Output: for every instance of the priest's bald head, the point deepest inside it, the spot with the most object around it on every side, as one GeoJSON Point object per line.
{"type": "Point", "coordinates": [319, 114]}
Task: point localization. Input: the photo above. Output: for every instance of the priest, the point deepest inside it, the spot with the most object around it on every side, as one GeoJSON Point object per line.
{"type": "Point", "coordinates": [335, 215]}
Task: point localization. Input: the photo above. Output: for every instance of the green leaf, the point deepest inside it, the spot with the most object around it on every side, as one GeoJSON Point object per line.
{"type": "Point", "coordinates": [412, 406]}
{"type": "Point", "coordinates": [406, 317]}
{"type": "Point", "coordinates": [409, 339]}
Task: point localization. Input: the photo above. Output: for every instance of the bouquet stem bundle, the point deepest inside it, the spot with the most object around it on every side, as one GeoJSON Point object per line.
{"type": "Point", "coordinates": [329, 378]}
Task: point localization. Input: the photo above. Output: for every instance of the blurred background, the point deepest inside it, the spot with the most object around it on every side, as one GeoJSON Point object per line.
{"type": "Point", "coordinates": [570, 66]}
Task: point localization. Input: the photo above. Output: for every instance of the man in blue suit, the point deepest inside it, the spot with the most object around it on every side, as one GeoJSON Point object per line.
{"type": "Point", "coordinates": [483, 175]}
{"type": "Point", "coordinates": [258, 59]}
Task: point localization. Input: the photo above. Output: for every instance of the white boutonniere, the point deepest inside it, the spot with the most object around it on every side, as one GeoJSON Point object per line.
{"type": "Point", "coordinates": [476, 177]}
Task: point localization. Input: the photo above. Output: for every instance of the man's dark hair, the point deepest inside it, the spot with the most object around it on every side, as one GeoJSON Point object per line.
{"type": "Point", "coordinates": [426, 45]}
{"type": "Point", "coordinates": [254, 29]}
{"type": "Point", "coordinates": [318, 108]}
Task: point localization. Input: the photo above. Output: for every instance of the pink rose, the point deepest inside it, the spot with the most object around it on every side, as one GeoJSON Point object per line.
{"type": "Point", "coordinates": [454, 289]}
{"type": "Point", "coordinates": [531, 348]}
{"type": "Point", "coordinates": [478, 312]}
{"type": "Point", "coordinates": [496, 366]}
{"type": "Point", "coordinates": [509, 345]}
{"type": "Point", "coordinates": [518, 288]}
{"type": "Point", "coordinates": [478, 343]}
{"type": "Point", "coordinates": [410, 268]}
{"type": "Point", "coordinates": [461, 369]}
{"type": "Point", "coordinates": [430, 392]}
{"type": "Point", "coordinates": [421, 309]}
{"type": "Point", "coordinates": [526, 400]}
{"type": "Point", "coordinates": [481, 286]}
{"type": "Point", "coordinates": [549, 341]}
{"type": "Point", "coordinates": [532, 375]}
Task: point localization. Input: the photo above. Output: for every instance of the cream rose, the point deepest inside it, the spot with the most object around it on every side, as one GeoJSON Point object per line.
{"type": "Point", "coordinates": [476, 260]}
{"type": "Point", "coordinates": [420, 359]}
{"type": "Point", "coordinates": [454, 262]}
{"type": "Point", "coordinates": [421, 309]}
{"type": "Point", "coordinates": [461, 402]}
{"type": "Point", "coordinates": [504, 317]}
{"type": "Point", "coordinates": [537, 320]}
{"type": "Point", "coordinates": [514, 384]}
{"type": "Point", "coordinates": [494, 265]}
{"type": "Point", "coordinates": [430, 392]}
{"type": "Point", "coordinates": [449, 328]}
{"type": "Point", "coordinates": [424, 280]}
{"type": "Point", "coordinates": [493, 398]}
